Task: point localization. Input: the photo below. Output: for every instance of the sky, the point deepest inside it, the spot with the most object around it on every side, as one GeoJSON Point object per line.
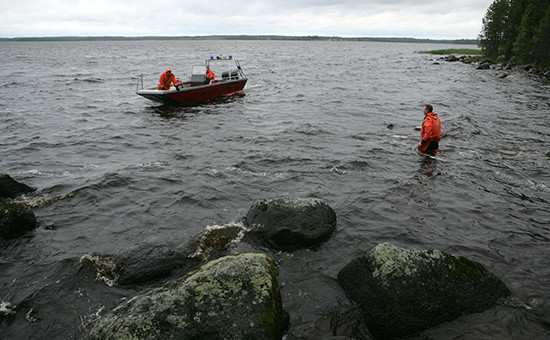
{"type": "Point", "coordinates": [423, 19]}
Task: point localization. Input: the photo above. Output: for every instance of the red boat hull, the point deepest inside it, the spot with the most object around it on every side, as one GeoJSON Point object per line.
{"type": "Point", "coordinates": [195, 94]}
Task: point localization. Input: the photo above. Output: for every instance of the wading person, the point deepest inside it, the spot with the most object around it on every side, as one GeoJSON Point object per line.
{"type": "Point", "coordinates": [430, 131]}
{"type": "Point", "coordinates": [166, 79]}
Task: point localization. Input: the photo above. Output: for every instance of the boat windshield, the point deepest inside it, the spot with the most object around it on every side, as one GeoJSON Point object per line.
{"type": "Point", "coordinates": [224, 68]}
{"type": "Point", "coordinates": [199, 69]}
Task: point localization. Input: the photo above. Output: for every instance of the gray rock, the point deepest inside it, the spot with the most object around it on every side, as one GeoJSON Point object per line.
{"type": "Point", "coordinates": [152, 262]}
{"type": "Point", "coordinates": [139, 265]}
{"type": "Point", "coordinates": [213, 241]}
{"type": "Point", "coordinates": [15, 220]}
{"type": "Point", "coordinates": [452, 58]}
{"type": "Point", "coordinates": [234, 297]}
{"type": "Point", "coordinates": [405, 291]}
{"type": "Point", "coordinates": [291, 223]}
{"type": "Point", "coordinates": [511, 65]}
{"type": "Point", "coordinates": [10, 188]}
{"type": "Point", "coordinates": [484, 66]}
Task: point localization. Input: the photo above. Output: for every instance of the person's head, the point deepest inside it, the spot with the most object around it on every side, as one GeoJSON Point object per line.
{"type": "Point", "coordinates": [168, 71]}
{"type": "Point", "coordinates": [428, 108]}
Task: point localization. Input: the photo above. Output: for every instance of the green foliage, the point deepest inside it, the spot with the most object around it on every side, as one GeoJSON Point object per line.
{"type": "Point", "coordinates": [542, 42]}
{"type": "Point", "coordinates": [494, 23]}
{"type": "Point", "coordinates": [518, 28]}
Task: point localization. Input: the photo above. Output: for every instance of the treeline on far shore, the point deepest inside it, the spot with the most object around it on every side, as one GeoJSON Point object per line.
{"type": "Point", "coordinates": [246, 37]}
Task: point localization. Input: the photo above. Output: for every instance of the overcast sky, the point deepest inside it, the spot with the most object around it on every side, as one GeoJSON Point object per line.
{"type": "Point", "coordinates": [434, 19]}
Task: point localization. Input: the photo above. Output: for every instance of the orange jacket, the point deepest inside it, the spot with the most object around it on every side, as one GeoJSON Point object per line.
{"type": "Point", "coordinates": [431, 128]}
{"type": "Point", "coordinates": [210, 74]}
{"type": "Point", "coordinates": [166, 80]}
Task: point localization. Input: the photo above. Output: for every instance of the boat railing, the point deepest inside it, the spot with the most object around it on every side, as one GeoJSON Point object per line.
{"type": "Point", "coordinates": [140, 81]}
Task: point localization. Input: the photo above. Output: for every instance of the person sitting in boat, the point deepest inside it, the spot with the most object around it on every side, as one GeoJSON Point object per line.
{"type": "Point", "coordinates": [209, 75]}
{"type": "Point", "coordinates": [166, 79]}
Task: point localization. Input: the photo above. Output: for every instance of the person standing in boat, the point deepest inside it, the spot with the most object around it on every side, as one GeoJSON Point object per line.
{"type": "Point", "coordinates": [210, 74]}
{"type": "Point", "coordinates": [166, 79]}
{"type": "Point", "coordinates": [430, 131]}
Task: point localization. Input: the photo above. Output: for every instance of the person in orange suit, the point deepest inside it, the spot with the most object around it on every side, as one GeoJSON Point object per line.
{"type": "Point", "coordinates": [166, 79]}
{"type": "Point", "coordinates": [430, 131]}
{"type": "Point", "coordinates": [210, 74]}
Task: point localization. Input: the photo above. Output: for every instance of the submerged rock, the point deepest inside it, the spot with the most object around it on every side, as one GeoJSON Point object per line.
{"type": "Point", "coordinates": [234, 297]}
{"type": "Point", "coordinates": [152, 262]}
{"type": "Point", "coordinates": [405, 291]}
{"type": "Point", "coordinates": [10, 188]}
{"type": "Point", "coordinates": [15, 220]}
{"type": "Point", "coordinates": [291, 223]}
{"type": "Point", "coordinates": [139, 265]}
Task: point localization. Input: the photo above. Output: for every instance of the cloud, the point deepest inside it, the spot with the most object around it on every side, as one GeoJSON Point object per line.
{"type": "Point", "coordinates": [412, 18]}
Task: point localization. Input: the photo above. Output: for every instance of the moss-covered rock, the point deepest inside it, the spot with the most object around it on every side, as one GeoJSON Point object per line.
{"type": "Point", "coordinates": [15, 220]}
{"type": "Point", "coordinates": [291, 223]}
{"type": "Point", "coordinates": [234, 297]}
{"type": "Point", "coordinates": [214, 239]}
{"type": "Point", "coordinates": [404, 291]}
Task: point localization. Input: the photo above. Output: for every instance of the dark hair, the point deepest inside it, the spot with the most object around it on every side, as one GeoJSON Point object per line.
{"type": "Point", "coordinates": [429, 107]}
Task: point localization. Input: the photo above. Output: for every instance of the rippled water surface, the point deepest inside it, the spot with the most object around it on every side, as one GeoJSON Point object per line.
{"type": "Point", "coordinates": [333, 120]}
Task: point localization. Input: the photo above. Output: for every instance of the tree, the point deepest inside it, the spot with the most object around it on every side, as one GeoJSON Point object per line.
{"type": "Point", "coordinates": [542, 41]}
{"type": "Point", "coordinates": [494, 25]}
{"type": "Point", "coordinates": [524, 46]}
{"type": "Point", "coordinates": [513, 22]}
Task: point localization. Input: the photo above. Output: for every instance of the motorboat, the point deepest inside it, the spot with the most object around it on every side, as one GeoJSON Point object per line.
{"type": "Point", "coordinates": [229, 80]}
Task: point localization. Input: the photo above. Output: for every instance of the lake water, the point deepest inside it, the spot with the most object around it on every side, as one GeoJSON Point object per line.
{"type": "Point", "coordinates": [332, 120]}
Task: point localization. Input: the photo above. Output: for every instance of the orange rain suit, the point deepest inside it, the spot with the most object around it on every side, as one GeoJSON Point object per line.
{"type": "Point", "coordinates": [430, 133]}
{"type": "Point", "coordinates": [210, 74]}
{"type": "Point", "coordinates": [165, 80]}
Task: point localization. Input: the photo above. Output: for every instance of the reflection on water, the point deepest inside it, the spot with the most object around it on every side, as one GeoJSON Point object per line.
{"type": "Point", "coordinates": [428, 166]}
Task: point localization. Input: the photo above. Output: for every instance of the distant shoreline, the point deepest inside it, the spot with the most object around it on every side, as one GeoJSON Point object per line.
{"type": "Point", "coordinates": [245, 37]}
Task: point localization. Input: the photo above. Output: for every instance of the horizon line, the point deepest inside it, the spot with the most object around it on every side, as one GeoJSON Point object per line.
{"type": "Point", "coordinates": [232, 36]}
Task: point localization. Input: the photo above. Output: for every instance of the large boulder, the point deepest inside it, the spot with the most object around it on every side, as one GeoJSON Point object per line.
{"type": "Point", "coordinates": [404, 291]}
{"type": "Point", "coordinates": [10, 188]}
{"type": "Point", "coordinates": [291, 223]}
{"type": "Point", "coordinates": [15, 220]}
{"type": "Point", "coordinates": [233, 297]}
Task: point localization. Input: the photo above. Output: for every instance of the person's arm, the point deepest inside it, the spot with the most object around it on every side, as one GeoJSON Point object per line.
{"type": "Point", "coordinates": [426, 128]}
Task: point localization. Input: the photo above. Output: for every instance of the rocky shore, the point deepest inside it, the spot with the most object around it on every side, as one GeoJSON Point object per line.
{"type": "Point", "coordinates": [505, 67]}
{"type": "Point", "coordinates": [224, 285]}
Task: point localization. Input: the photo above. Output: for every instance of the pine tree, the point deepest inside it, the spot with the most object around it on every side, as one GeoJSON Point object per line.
{"type": "Point", "coordinates": [513, 22]}
{"type": "Point", "coordinates": [524, 46]}
{"type": "Point", "coordinates": [494, 26]}
{"type": "Point", "coordinates": [542, 41]}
